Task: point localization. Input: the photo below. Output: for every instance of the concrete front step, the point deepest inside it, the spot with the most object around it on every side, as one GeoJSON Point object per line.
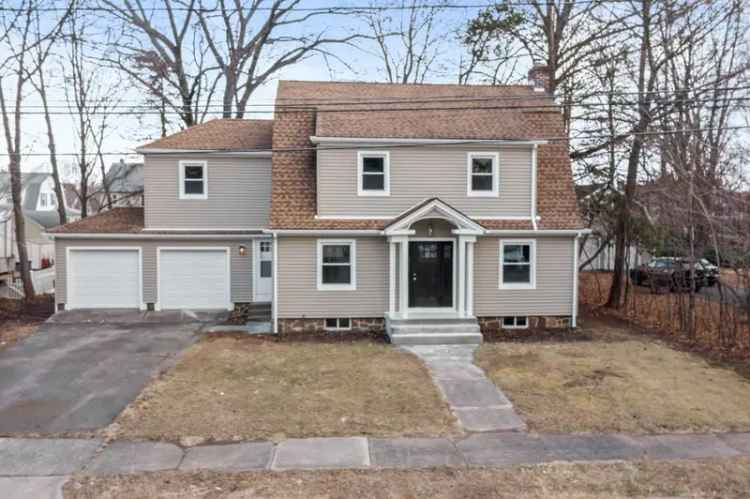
{"type": "Point", "coordinates": [435, 338]}
{"type": "Point", "coordinates": [437, 329]}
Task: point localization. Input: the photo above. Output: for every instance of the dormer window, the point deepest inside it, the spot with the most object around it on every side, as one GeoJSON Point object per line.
{"type": "Point", "coordinates": [374, 176]}
{"type": "Point", "coordinates": [482, 174]}
{"type": "Point", "coordinates": [193, 180]}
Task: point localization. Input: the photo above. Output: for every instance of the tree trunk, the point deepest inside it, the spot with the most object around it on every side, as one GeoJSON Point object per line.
{"type": "Point", "coordinates": [23, 256]}
{"type": "Point", "coordinates": [53, 153]}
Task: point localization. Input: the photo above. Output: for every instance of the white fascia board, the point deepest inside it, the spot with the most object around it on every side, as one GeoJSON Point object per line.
{"type": "Point", "coordinates": [540, 232]}
{"type": "Point", "coordinates": [142, 236]}
{"type": "Point", "coordinates": [249, 154]}
{"type": "Point", "coordinates": [395, 140]}
{"type": "Point", "coordinates": [327, 232]}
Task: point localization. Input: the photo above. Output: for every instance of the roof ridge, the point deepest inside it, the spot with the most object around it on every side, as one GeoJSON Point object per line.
{"type": "Point", "coordinates": [410, 84]}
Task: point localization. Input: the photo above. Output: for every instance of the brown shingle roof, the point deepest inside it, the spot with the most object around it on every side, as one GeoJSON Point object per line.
{"type": "Point", "coordinates": [116, 220]}
{"type": "Point", "coordinates": [379, 110]}
{"type": "Point", "coordinates": [220, 135]}
{"type": "Point", "coordinates": [427, 111]}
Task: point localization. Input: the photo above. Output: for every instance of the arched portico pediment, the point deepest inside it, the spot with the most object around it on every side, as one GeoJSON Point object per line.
{"type": "Point", "coordinates": [433, 208]}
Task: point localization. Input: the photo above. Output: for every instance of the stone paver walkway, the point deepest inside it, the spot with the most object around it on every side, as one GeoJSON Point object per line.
{"type": "Point", "coordinates": [477, 402]}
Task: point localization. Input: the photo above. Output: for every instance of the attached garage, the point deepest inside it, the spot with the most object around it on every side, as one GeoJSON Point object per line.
{"type": "Point", "coordinates": [104, 278]}
{"type": "Point", "coordinates": [193, 278]}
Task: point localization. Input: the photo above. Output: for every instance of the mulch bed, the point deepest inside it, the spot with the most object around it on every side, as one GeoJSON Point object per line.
{"type": "Point", "coordinates": [320, 337]}
{"type": "Point", "coordinates": [536, 335]}
{"type": "Point", "coordinates": [38, 309]}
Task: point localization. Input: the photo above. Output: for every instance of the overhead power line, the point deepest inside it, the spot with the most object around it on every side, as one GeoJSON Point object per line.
{"type": "Point", "coordinates": [333, 8]}
{"type": "Point", "coordinates": [404, 146]}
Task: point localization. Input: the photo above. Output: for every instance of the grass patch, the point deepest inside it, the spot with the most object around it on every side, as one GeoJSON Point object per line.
{"type": "Point", "coordinates": [228, 388]}
{"type": "Point", "coordinates": [724, 478]}
{"type": "Point", "coordinates": [617, 386]}
{"type": "Point", "coordinates": [12, 332]}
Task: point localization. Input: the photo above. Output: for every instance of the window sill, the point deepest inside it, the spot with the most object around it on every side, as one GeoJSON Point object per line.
{"type": "Point", "coordinates": [337, 287]}
{"type": "Point", "coordinates": [373, 193]}
{"type": "Point", "coordinates": [482, 194]}
{"type": "Point", "coordinates": [187, 197]}
{"type": "Point", "coordinates": [517, 286]}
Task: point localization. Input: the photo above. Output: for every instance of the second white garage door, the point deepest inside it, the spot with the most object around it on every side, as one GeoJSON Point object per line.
{"type": "Point", "coordinates": [194, 278]}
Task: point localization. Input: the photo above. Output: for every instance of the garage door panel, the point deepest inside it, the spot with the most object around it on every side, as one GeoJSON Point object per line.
{"type": "Point", "coordinates": [195, 279]}
{"type": "Point", "coordinates": [104, 279]}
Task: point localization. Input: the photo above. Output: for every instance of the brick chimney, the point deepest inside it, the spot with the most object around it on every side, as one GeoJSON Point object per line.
{"type": "Point", "coordinates": [539, 78]}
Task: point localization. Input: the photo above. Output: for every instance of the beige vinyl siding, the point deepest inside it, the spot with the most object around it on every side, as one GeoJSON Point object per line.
{"type": "Point", "coordinates": [554, 280]}
{"type": "Point", "coordinates": [239, 194]}
{"type": "Point", "coordinates": [241, 266]}
{"type": "Point", "coordinates": [298, 294]}
{"type": "Point", "coordinates": [421, 172]}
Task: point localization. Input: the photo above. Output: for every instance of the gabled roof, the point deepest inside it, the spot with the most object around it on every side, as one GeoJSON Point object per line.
{"type": "Point", "coordinates": [125, 177]}
{"type": "Point", "coordinates": [116, 220]}
{"type": "Point", "coordinates": [433, 208]}
{"type": "Point", "coordinates": [219, 135]}
{"type": "Point", "coordinates": [425, 111]}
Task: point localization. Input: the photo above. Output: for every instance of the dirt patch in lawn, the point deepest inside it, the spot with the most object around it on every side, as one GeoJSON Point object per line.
{"type": "Point", "coordinates": [11, 332]}
{"type": "Point", "coordinates": [709, 478]}
{"type": "Point", "coordinates": [617, 386]}
{"type": "Point", "coordinates": [230, 388]}
{"type": "Point", "coordinates": [19, 319]}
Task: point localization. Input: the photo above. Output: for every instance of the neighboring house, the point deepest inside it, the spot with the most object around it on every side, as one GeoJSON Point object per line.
{"type": "Point", "coordinates": [40, 214]}
{"type": "Point", "coordinates": [125, 181]}
{"type": "Point", "coordinates": [597, 250]}
{"type": "Point", "coordinates": [410, 203]}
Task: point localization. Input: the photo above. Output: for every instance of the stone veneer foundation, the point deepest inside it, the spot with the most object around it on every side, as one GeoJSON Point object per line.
{"type": "Point", "coordinates": [494, 324]}
{"type": "Point", "coordinates": [358, 325]}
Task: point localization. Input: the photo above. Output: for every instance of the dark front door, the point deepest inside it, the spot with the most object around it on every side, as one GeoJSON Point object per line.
{"type": "Point", "coordinates": [431, 274]}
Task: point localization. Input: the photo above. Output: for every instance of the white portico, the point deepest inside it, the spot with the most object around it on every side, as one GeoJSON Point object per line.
{"type": "Point", "coordinates": [431, 251]}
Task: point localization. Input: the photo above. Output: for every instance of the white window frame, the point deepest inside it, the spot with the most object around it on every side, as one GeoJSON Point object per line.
{"type": "Point", "coordinates": [495, 157]}
{"type": "Point", "coordinates": [515, 322]}
{"type": "Point", "coordinates": [181, 167]}
{"type": "Point", "coordinates": [338, 324]}
{"type": "Point", "coordinates": [43, 200]}
{"type": "Point", "coordinates": [532, 264]}
{"type": "Point", "coordinates": [352, 263]}
{"type": "Point", "coordinates": [361, 155]}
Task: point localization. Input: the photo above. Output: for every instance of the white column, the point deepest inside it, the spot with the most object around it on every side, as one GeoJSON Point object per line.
{"type": "Point", "coordinates": [392, 278]}
{"type": "Point", "coordinates": [403, 290]}
{"type": "Point", "coordinates": [470, 277]}
{"type": "Point", "coordinates": [461, 305]}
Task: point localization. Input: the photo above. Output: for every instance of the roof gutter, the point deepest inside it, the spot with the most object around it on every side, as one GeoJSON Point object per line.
{"type": "Point", "coordinates": [538, 232]}
{"type": "Point", "coordinates": [250, 153]}
{"type": "Point", "coordinates": [395, 140]}
{"type": "Point", "coordinates": [141, 236]}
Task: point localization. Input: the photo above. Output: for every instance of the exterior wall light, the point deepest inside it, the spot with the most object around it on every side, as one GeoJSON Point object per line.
{"type": "Point", "coordinates": [243, 251]}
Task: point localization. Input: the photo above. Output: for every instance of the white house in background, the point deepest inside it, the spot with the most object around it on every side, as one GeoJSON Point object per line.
{"type": "Point", "coordinates": [40, 213]}
{"type": "Point", "coordinates": [125, 181]}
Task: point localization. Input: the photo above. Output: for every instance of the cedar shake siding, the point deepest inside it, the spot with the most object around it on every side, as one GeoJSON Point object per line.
{"type": "Point", "coordinates": [420, 172]}
{"type": "Point", "coordinates": [239, 191]}
{"type": "Point", "coordinates": [241, 272]}
{"type": "Point", "coordinates": [298, 294]}
{"type": "Point", "coordinates": [554, 280]}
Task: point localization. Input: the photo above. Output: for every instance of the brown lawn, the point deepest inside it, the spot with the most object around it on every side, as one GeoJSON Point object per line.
{"type": "Point", "coordinates": [12, 332]}
{"type": "Point", "coordinates": [227, 388]}
{"type": "Point", "coordinates": [725, 478]}
{"type": "Point", "coordinates": [622, 384]}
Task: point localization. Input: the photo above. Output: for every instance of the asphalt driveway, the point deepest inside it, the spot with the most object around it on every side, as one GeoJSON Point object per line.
{"type": "Point", "coordinates": [81, 369]}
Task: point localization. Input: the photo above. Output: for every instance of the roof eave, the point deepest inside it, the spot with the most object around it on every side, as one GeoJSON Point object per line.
{"type": "Point", "coordinates": [315, 139]}
{"type": "Point", "coordinates": [254, 153]}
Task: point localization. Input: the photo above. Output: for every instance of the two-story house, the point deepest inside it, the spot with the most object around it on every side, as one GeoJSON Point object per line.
{"type": "Point", "coordinates": [360, 206]}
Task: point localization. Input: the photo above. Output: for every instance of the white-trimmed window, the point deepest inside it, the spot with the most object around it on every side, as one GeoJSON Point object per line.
{"type": "Point", "coordinates": [517, 264]}
{"type": "Point", "coordinates": [338, 324]}
{"type": "Point", "coordinates": [43, 200]}
{"type": "Point", "coordinates": [337, 267]}
{"type": "Point", "coordinates": [193, 180]}
{"type": "Point", "coordinates": [373, 173]}
{"type": "Point", "coordinates": [482, 177]}
{"type": "Point", "coordinates": [515, 322]}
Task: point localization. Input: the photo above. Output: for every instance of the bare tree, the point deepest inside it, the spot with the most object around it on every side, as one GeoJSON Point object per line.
{"type": "Point", "coordinates": [409, 42]}
{"type": "Point", "coordinates": [21, 33]}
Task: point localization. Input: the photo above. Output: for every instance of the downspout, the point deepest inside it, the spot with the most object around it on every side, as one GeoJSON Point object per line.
{"type": "Point", "coordinates": [574, 312]}
{"type": "Point", "coordinates": [533, 186]}
{"type": "Point", "coordinates": [275, 304]}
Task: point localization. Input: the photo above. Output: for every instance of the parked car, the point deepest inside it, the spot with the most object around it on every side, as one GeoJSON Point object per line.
{"type": "Point", "coordinates": [670, 272]}
{"type": "Point", "coordinates": [710, 270]}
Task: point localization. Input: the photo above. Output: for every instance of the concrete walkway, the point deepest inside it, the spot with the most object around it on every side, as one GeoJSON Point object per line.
{"type": "Point", "coordinates": [39, 467]}
{"type": "Point", "coordinates": [478, 404]}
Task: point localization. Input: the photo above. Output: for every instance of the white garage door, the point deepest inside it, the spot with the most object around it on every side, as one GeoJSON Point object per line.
{"type": "Point", "coordinates": [194, 279]}
{"type": "Point", "coordinates": [104, 278]}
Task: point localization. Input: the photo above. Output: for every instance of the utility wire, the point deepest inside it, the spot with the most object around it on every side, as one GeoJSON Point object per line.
{"type": "Point", "coordinates": [403, 146]}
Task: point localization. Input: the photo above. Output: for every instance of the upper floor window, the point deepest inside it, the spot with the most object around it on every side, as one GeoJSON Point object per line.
{"type": "Point", "coordinates": [482, 174]}
{"type": "Point", "coordinates": [518, 264]}
{"type": "Point", "coordinates": [374, 176]}
{"type": "Point", "coordinates": [337, 264]}
{"type": "Point", "coordinates": [43, 200]}
{"type": "Point", "coordinates": [193, 180]}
